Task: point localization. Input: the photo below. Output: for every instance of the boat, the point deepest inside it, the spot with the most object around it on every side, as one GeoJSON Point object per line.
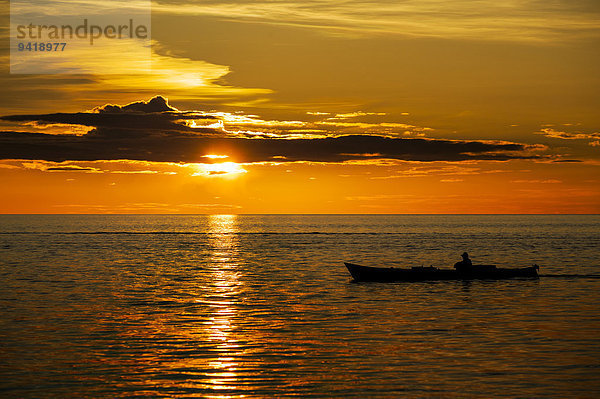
{"type": "Point", "coordinates": [430, 273]}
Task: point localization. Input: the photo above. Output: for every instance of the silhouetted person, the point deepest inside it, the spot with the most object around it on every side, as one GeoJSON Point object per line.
{"type": "Point", "coordinates": [465, 265]}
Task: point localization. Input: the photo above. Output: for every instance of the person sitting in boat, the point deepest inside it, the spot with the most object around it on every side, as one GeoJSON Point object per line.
{"type": "Point", "coordinates": [465, 265]}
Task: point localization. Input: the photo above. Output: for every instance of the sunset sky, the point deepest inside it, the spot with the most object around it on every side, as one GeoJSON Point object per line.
{"type": "Point", "coordinates": [319, 106]}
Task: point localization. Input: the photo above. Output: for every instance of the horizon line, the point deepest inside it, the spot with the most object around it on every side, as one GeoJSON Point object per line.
{"type": "Point", "coordinates": [301, 214]}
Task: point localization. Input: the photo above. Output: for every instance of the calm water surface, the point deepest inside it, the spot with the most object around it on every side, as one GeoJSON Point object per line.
{"type": "Point", "coordinates": [262, 306]}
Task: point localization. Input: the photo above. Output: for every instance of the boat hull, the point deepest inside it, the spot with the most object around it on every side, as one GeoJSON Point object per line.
{"type": "Point", "coordinates": [483, 272]}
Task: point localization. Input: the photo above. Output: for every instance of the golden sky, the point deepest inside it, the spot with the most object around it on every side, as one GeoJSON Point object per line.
{"type": "Point", "coordinates": [316, 107]}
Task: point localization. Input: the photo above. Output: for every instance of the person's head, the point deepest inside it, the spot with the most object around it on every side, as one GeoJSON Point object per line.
{"type": "Point", "coordinates": [465, 255]}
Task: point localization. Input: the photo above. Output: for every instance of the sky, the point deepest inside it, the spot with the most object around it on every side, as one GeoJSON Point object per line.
{"type": "Point", "coordinates": [320, 106]}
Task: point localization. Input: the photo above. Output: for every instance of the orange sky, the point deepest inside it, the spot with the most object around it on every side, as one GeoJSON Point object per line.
{"type": "Point", "coordinates": [329, 107]}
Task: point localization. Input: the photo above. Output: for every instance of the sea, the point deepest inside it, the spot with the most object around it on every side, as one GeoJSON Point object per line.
{"type": "Point", "coordinates": [257, 306]}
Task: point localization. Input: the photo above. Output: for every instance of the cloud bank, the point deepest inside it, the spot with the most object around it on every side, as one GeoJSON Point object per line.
{"type": "Point", "coordinates": [156, 132]}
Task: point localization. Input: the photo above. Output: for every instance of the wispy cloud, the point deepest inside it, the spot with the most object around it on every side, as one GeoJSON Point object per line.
{"type": "Point", "coordinates": [451, 180]}
{"type": "Point", "coordinates": [431, 170]}
{"type": "Point", "coordinates": [528, 20]}
{"type": "Point", "coordinates": [103, 166]}
{"type": "Point", "coordinates": [91, 76]}
{"type": "Point", "coordinates": [594, 137]}
{"type": "Point", "coordinates": [537, 181]}
{"type": "Point", "coordinates": [557, 134]}
{"type": "Point", "coordinates": [356, 114]}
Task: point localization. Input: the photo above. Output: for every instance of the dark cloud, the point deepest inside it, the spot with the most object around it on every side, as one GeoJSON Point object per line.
{"type": "Point", "coordinates": [155, 104]}
{"type": "Point", "coordinates": [59, 148]}
{"type": "Point", "coordinates": [153, 115]}
{"type": "Point", "coordinates": [150, 131]}
{"type": "Point", "coordinates": [70, 168]}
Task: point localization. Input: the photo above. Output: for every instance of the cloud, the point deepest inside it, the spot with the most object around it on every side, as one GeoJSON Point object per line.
{"type": "Point", "coordinates": [524, 21]}
{"type": "Point", "coordinates": [451, 180]}
{"type": "Point", "coordinates": [555, 134]}
{"type": "Point", "coordinates": [356, 114]}
{"type": "Point", "coordinates": [120, 167]}
{"type": "Point", "coordinates": [547, 181]}
{"type": "Point", "coordinates": [379, 197]}
{"type": "Point", "coordinates": [567, 161]}
{"type": "Point", "coordinates": [432, 170]}
{"type": "Point", "coordinates": [156, 132]}
{"type": "Point", "coordinates": [594, 137]}
{"type": "Point", "coordinates": [93, 78]}
{"type": "Point", "coordinates": [73, 168]}
{"type": "Point", "coordinates": [155, 104]}
{"type": "Point", "coordinates": [58, 167]}
{"type": "Point", "coordinates": [155, 114]}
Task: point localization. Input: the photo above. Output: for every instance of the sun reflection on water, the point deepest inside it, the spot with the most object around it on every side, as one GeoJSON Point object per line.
{"type": "Point", "coordinates": [224, 288]}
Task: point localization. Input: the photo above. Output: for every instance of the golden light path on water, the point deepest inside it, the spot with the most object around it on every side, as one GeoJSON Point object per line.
{"type": "Point", "coordinates": [225, 287]}
{"type": "Point", "coordinates": [198, 346]}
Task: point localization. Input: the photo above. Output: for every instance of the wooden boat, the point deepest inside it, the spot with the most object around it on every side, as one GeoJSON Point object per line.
{"type": "Point", "coordinates": [478, 272]}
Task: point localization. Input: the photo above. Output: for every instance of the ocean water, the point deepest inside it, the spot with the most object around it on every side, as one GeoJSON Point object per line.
{"type": "Point", "coordinates": [249, 306]}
